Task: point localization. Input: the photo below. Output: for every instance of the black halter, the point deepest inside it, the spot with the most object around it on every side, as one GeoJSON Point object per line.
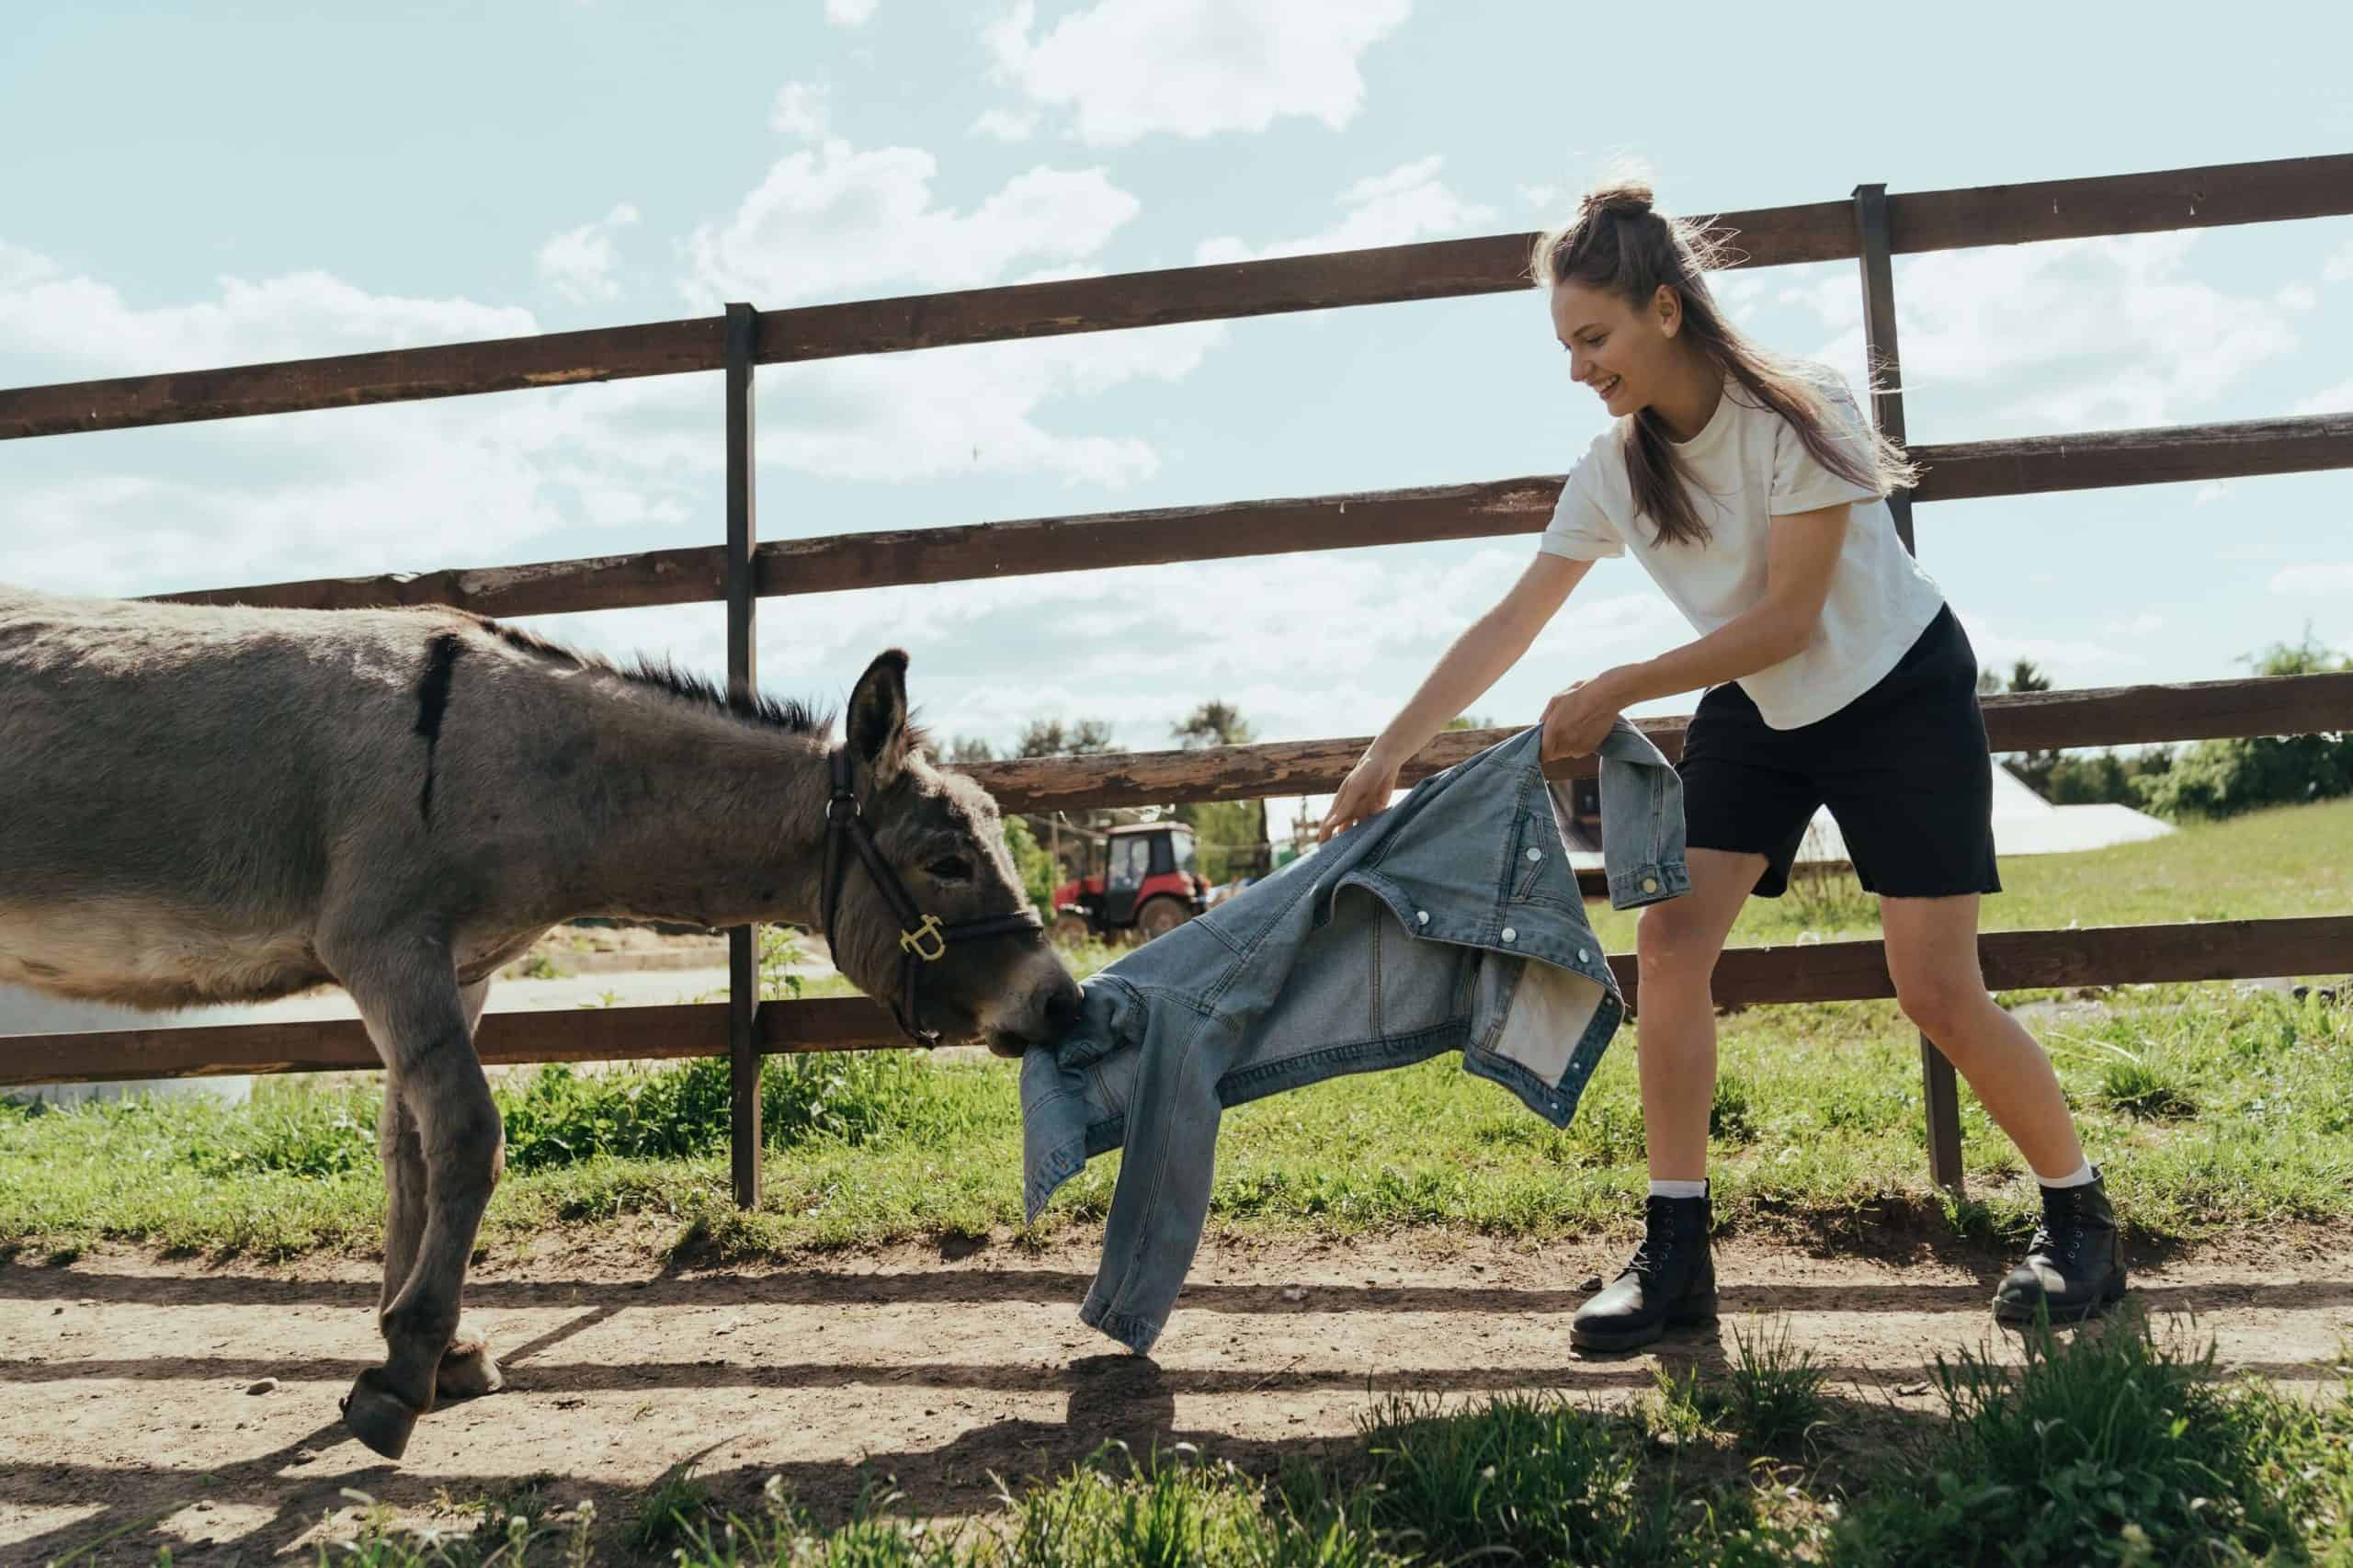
{"type": "Point", "coordinates": [922, 938]}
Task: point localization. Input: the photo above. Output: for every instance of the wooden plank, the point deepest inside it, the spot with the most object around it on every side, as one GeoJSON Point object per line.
{"type": "Point", "coordinates": [1832, 971]}
{"type": "Point", "coordinates": [1232, 531]}
{"type": "Point", "coordinates": [743, 686]}
{"type": "Point", "coordinates": [2019, 961]}
{"type": "Point", "coordinates": [2238, 193]}
{"type": "Point", "coordinates": [2017, 721]}
{"type": "Point", "coordinates": [2215, 196]}
{"type": "Point", "coordinates": [2100, 460]}
{"type": "Point", "coordinates": [1939, 1086]}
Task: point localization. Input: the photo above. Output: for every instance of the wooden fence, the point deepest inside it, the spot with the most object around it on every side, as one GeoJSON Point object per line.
{"type": "Point", "coordinates": [1871, 227]}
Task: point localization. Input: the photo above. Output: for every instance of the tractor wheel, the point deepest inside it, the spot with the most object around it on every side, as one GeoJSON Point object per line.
{"type": "Point", "coordinates": [1070, 929]}
{"type": "Point", "coordinates": [1159, 916]}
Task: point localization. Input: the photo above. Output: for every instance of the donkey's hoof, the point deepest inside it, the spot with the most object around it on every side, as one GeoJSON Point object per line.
{"type": "Point", "coordinates": [378, 1418]}
{"type": "Point", "coordinates": [467, 1370]}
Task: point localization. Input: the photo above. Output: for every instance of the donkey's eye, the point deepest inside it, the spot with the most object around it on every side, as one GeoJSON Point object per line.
{"type": "Point", "coordinates": [954, 868]}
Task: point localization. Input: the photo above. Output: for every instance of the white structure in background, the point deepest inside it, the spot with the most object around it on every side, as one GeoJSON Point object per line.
{"type": "Point", "coordinates": [2024, 823]}
{"type": "Point", "coordinates": [30, 1012]}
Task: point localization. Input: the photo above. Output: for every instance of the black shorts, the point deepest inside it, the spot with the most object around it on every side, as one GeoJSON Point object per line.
{"type": "Point", "coordinates": [1903, 768]}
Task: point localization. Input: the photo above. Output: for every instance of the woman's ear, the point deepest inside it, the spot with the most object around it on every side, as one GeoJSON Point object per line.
{"type": "Point", "coordinates": [1668, 304]}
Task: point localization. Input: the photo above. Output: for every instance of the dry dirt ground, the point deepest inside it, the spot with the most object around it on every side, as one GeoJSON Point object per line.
{"type": "Point", "coordinates": [129, 1423]}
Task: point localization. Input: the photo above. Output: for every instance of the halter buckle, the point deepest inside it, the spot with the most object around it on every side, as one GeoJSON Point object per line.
{"type": "Point", "coordinates": [914, 941]}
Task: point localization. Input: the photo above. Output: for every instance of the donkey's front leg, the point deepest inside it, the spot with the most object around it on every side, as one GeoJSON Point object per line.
{"type": "Point", "coordinates": [419, 1023]}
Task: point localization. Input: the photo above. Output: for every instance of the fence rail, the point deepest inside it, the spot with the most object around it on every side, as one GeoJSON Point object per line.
{"type": "Point", "coordinates": [1830, 971]}
{"type": "Point", "coordinates": [1774, 236]}
{"type": "Point", "coordinates": [1871, 227]}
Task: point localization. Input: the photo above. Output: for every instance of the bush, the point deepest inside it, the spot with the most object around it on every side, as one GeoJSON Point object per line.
{"type": "Point", "coordinates": [2224, 777]}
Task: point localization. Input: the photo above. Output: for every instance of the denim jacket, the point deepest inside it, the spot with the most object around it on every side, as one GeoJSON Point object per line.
{"type": "Point", "coordinates": [1407, 935]}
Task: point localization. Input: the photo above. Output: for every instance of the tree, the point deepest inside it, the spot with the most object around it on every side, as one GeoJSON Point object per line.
{"type": "Point", "coordinates": [1050, 737]}
{"type": "Point", "coordinates": [969, 748]}
{"type": "Point", "coordinates": [2034, 766]}
{"type": "Point", "coordinates": [1039, 873]}
{"type": "Point", "coordinates": [1232, 834]}
{"type": "Point", "coordinates": [1465, 721]}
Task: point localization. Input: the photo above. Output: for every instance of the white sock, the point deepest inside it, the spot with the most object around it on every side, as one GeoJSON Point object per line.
{"type": "Point", "coordinates": [1679, 1189]}
{"type": "Point", "coordinates": [2082, 1177]}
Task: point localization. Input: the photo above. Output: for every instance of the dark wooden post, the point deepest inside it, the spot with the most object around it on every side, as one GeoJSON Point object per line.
{"type": "Point", "coordinates": [1938, 1090]}
{"type": "Point", "coordinates": [742, 679]}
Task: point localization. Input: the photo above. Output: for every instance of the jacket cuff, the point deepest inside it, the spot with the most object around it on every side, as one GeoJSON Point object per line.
{"type": "Point", "coordinates": [1137, 1333]}
{"type": "Point", "coordinates": [1653, 883]}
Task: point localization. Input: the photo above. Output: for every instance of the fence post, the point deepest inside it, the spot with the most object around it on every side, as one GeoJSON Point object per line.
{"type": "Point", "coordinates": [1938, 1090]}
{"type": "Point", "coordinates": [742, 679]}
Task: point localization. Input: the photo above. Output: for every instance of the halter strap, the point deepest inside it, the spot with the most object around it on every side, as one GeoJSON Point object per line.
{"type": "Point", "coordinates": [923, 939]}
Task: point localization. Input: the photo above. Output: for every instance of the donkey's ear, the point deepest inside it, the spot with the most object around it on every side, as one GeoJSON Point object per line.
{"type": "Point", "coordinates": [877, 715]}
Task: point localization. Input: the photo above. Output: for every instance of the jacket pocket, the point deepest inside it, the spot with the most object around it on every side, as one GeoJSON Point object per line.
{"type": "Point", "coordinates": [1538, 862]}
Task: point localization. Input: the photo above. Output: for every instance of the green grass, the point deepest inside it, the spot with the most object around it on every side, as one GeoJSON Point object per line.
{"type": "Point", "coordinates": [2107, 1447]}
{"type": "Point", "coordinates": [1817, 1118]}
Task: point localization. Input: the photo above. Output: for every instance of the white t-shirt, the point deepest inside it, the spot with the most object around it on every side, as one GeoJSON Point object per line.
{"type": "Point", "coordinates": [1751, 467]}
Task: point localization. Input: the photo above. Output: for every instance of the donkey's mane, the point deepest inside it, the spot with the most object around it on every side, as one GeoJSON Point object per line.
{"type": "Point", "coordinates": [789, 714]}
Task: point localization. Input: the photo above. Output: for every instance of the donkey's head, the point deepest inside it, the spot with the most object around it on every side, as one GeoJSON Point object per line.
{"type": "Point", "coordinates": [941, 834]}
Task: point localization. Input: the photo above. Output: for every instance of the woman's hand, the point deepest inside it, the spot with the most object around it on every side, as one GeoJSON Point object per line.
{"type": "Point", "coordinates": [1576, 720]}
{"type": "Point", "coordinates": [1364, 793]}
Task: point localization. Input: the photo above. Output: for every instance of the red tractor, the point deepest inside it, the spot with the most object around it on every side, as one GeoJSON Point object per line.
{"type": "Point", "coordinates": [1140, 883]}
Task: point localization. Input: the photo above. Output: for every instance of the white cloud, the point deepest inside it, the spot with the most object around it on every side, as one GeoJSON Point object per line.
{"type": "Point", "coordinates": [2297, 296]}
{"type": "Point", "coordinates": [1128, 68]}
{"type": "Point", "coordinates": [2337, 399]}
{"type": "Point", "coordinates": [2213, 490]}
{"type": "Point", "coordinates": [2075, 335]}
{"type": "Point", "coordinates": [2339, 268]}
{"type": "Point", "coordinates": [2316, 579]}
{"type": "Point", "coordinates": [849, 13]}
{"type": "Point", "coordinates": [1541, 197]}
{"type": "Point", "coordinates": [1006, 125]}
{"type": "Point", "coordinates": [2063, 658]}
{"type": "Point", "coordinates": [87, 325]}
{"type": "Point", "coordinates": [579, 262]}
{"type": "Point", "coordinates": [21, 268]}
{"type": "Point", "coordinates": [837, 221]}
{"type": "Point", "coordinates": [2148, 623]}
{"type": "Point", "coordinates": [800, 109]}
{"type": "Point", "coordinates": [1410, 202]}
{"type": "Point", "coordinates": [971, 410]}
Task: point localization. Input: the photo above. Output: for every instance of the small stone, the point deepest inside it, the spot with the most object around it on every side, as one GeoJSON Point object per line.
{"type": "Point", "coordinates": [1294, 1293]}
{"type": "Point", "coordinates": [262, 1385]}
{"type": "Point", "coordinates": [1911, 1390]}
{"type": "Point", "coordinates": [1592, 1282]}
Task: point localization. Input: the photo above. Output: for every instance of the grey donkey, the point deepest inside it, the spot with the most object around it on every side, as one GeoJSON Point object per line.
{"type": "Point", "coordinates": [203, 804]}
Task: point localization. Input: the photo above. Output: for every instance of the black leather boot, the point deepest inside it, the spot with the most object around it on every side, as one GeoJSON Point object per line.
{"type": "Point", "coordinates": [2075, 1263]}
{"type": "Point", "coordinates": [1671, 1283]}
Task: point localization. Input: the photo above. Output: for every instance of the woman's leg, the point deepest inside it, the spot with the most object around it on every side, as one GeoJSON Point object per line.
{"type": "Point", "coordinates": [1932, 956]}
{"type": "Point", "coordinates": [1672, 1279]}
{"type": "Point", "coordinates": [1675, 948]}
{"type": "Point", "coordinates": [2075, 1265]}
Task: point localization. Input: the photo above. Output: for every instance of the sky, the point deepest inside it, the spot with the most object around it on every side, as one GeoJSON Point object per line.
{"type": "Point", "coordinates": [218, 184]}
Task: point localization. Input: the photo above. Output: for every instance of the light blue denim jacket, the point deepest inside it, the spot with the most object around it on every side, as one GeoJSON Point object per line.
{"type": "Point", "coordinates": [1448, 893]}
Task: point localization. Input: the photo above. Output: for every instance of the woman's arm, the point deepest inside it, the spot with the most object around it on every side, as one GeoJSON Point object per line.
{"type": "Point", "coordinates": [1487, 648]}
{"type": "Point", "coordinates": [1801, 552]}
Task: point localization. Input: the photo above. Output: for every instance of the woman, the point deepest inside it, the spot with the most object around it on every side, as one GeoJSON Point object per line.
{"type": "Point", "coordinates": [1753, 491]}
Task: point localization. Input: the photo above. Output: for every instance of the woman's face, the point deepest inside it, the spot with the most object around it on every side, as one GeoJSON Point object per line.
{"type": "Point", "coordinates": [1623, 353]}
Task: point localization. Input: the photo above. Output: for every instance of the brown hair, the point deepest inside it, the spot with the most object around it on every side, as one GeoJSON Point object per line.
{"type": "Point", "coordinates": [1616, 241]}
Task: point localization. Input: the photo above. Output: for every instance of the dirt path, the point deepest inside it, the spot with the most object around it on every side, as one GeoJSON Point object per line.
{"type": "Point", "coordinates": [128, 1405]}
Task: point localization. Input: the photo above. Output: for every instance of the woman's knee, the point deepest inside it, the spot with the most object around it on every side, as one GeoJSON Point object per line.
{"type": "Point", "coordinates": [1941, 1005]}
{"type": "Point", "coordinates": [1669, 944]}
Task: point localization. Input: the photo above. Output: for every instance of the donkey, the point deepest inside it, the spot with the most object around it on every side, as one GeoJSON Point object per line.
{"type": "Point", "coordinates": [205, 804]}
